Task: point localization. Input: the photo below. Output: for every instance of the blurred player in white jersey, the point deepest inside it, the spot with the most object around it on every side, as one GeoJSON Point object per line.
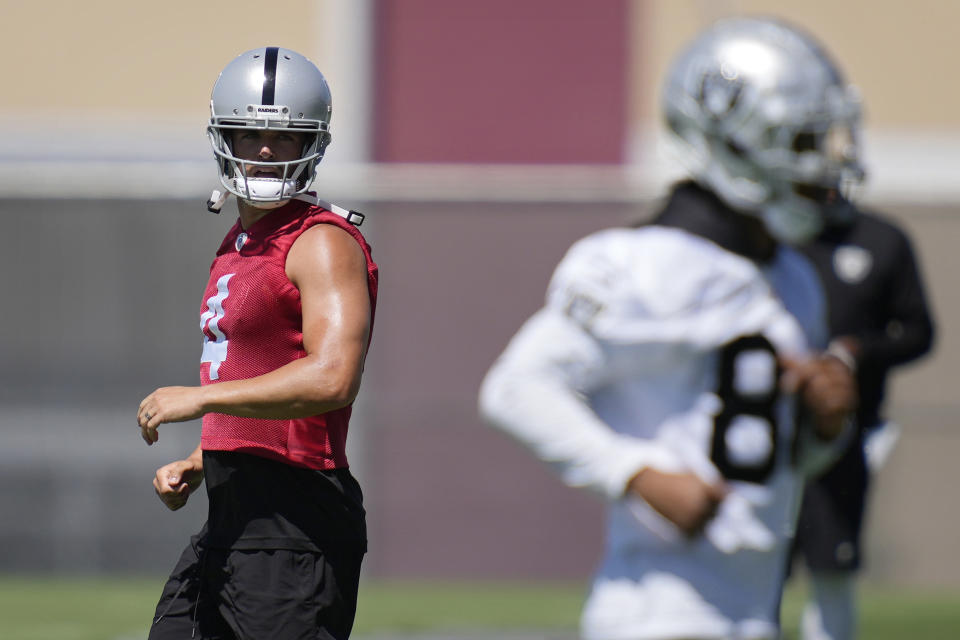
{"type": "Point", "coordinates": [679, 368]}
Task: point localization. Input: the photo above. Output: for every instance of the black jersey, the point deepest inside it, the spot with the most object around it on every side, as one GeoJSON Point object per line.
{"type": "Point", "coordinates": [874, 293]}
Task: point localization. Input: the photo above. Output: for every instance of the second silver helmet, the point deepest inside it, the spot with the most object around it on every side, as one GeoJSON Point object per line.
{"type": "Point", "coordinates": [766, 120]}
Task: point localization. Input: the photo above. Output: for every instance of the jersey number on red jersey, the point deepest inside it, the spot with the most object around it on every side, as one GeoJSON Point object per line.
{"type": "Point", "coordinates": [214, 340]}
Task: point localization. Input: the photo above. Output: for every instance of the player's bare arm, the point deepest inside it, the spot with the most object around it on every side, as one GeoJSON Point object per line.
{"type": "Point", "coordinates": [682, 498]}
{"type": "Point", "coordinates": [329, 269]}
{"type": "Point", "coordinates": [174, 482]}
{"type": "Point", "coordinates": [828, 389]}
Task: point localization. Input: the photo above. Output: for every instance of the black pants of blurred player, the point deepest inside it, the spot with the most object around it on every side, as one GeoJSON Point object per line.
{"type": "Point", "coordinates": [831, 516]}
{"type": "Point", "coordinates": [828, 540]}
{"type": "Point", "coordinates": [229, 594]}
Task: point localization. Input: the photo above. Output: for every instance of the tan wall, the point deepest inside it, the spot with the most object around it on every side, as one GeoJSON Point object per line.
{"type": "Point", "coordinates": [913, 515]}
{"type": "Point", "coordinates": [122, 55]}
{"type": "Point", "coordinates": [902, 55]}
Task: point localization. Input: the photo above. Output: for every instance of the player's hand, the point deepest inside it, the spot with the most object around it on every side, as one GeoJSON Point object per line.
{"type": "Point", "coordinates": [682, 498]}
{"type": "Point", "coordinates": [175, 482]}
{"type": "Point", "coordinates": [828, 389]}
{"type": "Point", "coordinates": [168, 404]}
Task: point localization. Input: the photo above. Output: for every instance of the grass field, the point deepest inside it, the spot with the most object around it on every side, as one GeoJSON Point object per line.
{"type": "Point", "coordinates": [120, 608]}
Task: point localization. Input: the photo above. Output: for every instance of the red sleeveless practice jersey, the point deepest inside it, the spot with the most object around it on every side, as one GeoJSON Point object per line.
{"type": "Point", "coordinates": [252, 324]}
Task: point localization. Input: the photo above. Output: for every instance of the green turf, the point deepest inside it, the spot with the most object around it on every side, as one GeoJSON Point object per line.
{"type": "Point", "coordinates": [889, 614]}
{"type": "Point", "coordinates": [76, 608]}
{"type": "Point", "coordinates": [120, 608]}
{"type": "Point", "coordinates": [424, 606]}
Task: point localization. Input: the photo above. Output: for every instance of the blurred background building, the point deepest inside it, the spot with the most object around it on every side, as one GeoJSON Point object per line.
{"type": "Point", "coordinates": [481, 139]}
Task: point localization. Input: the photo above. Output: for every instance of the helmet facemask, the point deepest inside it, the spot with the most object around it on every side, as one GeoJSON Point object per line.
{"type": "Point", "coordinates": [295, 176]}
{"type": "Point", "coordinates": [814, 183]}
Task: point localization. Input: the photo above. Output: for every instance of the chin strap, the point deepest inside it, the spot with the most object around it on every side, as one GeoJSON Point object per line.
{"type": "Point", "coordinates": [218, 198]}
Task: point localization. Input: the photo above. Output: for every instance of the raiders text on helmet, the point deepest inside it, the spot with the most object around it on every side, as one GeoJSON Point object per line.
{"type": "Point", "coordinates": [269, 88]}
{"type": "Point", "coordinates": [765, 119]}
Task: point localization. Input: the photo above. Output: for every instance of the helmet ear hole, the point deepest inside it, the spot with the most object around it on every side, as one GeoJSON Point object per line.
{"type": "Point", "coordinates": [805, 141]}
{"type": "Point", "coordinates": [735, 148]}
{"type": "Point", "coordinates": [817, 193]}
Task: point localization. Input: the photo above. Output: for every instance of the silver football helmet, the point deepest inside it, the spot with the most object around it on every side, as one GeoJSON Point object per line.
{"type": "Point", "coordinates": [269, 88]}
{"type": "Point", "coordinates": [765, 119]}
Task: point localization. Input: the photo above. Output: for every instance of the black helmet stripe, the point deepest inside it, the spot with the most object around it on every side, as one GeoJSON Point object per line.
{"type": "Point", "coordinates": [269, 75]}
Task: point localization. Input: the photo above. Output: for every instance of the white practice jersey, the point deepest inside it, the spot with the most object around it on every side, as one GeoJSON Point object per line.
{"type": "Point", "coordinates": [658, 348]}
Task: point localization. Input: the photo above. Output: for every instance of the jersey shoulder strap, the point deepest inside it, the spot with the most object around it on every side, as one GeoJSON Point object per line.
{"type": "Point", "coordinates": [353, 217]}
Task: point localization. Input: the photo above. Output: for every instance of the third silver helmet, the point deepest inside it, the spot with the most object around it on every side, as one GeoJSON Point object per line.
{"type": "Point", "coordinates": [766, 120]}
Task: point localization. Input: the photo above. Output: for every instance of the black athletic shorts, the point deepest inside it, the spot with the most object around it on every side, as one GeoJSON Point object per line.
{"type": "Point", "coordinates": [831, 515]}
{"type": "Point", "coordinates": [221, 594]}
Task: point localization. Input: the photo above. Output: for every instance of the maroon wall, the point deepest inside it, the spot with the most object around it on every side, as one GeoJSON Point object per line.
{"type": "Point", "coordinates": [447, 495]}
{"type": "Point", "coordinates": [501, 81]}
{"type": "Point", "coordinates": [457, 81]}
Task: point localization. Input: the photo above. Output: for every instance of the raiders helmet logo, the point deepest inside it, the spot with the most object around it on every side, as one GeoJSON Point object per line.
{"type": "Point", "coordinates": [720, 91]}
{"type": "Point", "coordinates": [852, 263]}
